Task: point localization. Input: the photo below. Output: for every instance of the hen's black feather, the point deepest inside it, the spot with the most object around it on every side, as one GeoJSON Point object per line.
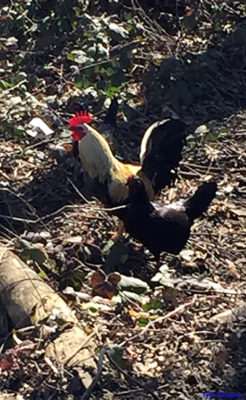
{"type": "Point", "coordinates": [110, 117]}
{"type": "Point", "coordinates": [108, 126]}
{"type": "Point", "coordinates": [163, 227]}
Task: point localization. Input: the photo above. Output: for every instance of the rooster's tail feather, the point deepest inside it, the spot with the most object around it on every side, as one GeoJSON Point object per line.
{"type": "Point", "coordinates": [161, 150]}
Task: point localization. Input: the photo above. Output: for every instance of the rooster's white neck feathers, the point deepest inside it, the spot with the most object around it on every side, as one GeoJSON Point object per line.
{"type": "Point", "coordinates": [95, 154]}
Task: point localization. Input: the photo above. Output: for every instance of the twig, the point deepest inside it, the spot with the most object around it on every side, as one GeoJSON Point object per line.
{"type": "Point", "coordinates": [96, 64]}
{"type": "Point", "coordinates": [202, 167]}
{"type": "Point", "coordinates": [4, 175]}
{"type": "Point", "coordinates": [51, 365]}
{"type": "Point", "coordinates": [78, 191]}
{"type": "Point", "coordinates": [92, 386]}
{"type": "Point", "coordinates": [189, 175]}
{"type": "Point", "coordinates": [40, 219]}
{"type": "Point", "coordinates": [6, 91]}
{"type": "Point", "coordinates": [90, 203]}
{"type": "Point", "coordinates": [125, 392]}
{"type": "Point", "coordinates": [170, 314]}
{"type": "Point", "coordinates": [32, 146]}
{"type": "Point", "coordinates": [20, 198]}
{"type": "Point", "coordinates": [80, 347]}
{"type": "Point", "coordinates": [51, 215]}
{"type": "Point", "coordinates": [90, 389]}
{"type": "Point", "coordinates": [110, 209]}
{"type": "Point", "coordinates": [152, 24]}
{"type": "Point", "coordinates": [87, 201]}
{"type": "Point", "coordinates": [161, 319]}
{"type": "Point", "coordinates": [11, 233]}
{"type": "Point", "coordinates": [129, 377]}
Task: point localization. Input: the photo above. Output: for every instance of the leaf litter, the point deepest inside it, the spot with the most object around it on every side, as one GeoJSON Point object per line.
{"type": "Point", "coordinates": [183, 344]}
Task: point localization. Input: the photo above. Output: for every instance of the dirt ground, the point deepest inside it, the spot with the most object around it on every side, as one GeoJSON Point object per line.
{"type": "Point", "coordinates": [185, 335]}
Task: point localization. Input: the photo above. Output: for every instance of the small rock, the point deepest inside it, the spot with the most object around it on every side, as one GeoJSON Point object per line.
{"type": "Point", "coordinates": [58, 248]}
{"type": "Point", "coordinates": [200, 130]}
{"type": "Point", "coordinates": [45, 235]}
{"type": "Point", "coordinates": [30, 236]}
{"type": "Point", "coordinates": [50, 247]}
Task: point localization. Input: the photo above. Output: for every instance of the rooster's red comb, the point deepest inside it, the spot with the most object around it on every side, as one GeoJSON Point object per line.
{"type": "Point", "coordinates": [81, 117]}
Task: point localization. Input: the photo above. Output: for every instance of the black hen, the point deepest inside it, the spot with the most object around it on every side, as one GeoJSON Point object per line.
{"type": "Point", "coordinates": [163, 227]}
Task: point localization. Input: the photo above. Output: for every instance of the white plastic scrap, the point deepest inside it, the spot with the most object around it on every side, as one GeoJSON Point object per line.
{"type": "Point", "coordinates": [40, 129]}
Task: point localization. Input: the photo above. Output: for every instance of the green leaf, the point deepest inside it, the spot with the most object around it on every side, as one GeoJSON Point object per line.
{"type": "Point", "coordinates": [42, 274]}
{"type": "Point", "coordinates": [111, 91]}
{"type": "Point", "coordinates": [5, 84]}
{"type": "Point", "coordinates": [116, 353]}
{"type": "Point", "coordinates": [212, 136]}
{"type": "Point", "coordinates": [73, 279]}
{"type": "Point", "coordinates": [107, 71]}
{"type": "Point", "coordinates": [153, 304]}
{"type": "Point", "coordinates": [82, 82]}
{"type": "Point", "coordinates": [142, 322]}
{"type": "Point", "coordinates": [34, 253]}
{"type": "Point", "coordinates": [71, 56]}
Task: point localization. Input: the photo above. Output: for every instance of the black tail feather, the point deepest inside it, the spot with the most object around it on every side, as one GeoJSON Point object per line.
{"type": "Point", "coordinates": [200, 201]}
{"type": "Point", "coordinates": [163, 151]}
{"type": "Point", "coordinates": [110, 117]}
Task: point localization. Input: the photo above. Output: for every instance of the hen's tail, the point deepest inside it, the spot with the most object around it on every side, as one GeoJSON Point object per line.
{"type": "Point", "coordinates": [200, 201]}
{"type": "Point", "coordinates": [108, 125]}
{"type": "Point", "coordinates": [109, 121]}
{"type": "Point", "coordinates": [160, 151]}
{"type": "Point", "coordinates": [110, 117]}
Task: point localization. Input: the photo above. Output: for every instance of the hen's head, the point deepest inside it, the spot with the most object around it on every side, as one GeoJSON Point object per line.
{"type": "Point", "coordinates": [77, 124]}
{"type": "Point", "coordinates": [133, 181]}
{"type": "Point", "coordinates": [137, 192]}
{"type": "Point", "coordinates": [135, 184]}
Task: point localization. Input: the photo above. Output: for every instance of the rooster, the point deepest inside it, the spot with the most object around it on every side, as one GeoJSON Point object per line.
{"type": "Point", "coordinates": [161, 227]}
{"type": "Point", "coordinates": [160, 153]}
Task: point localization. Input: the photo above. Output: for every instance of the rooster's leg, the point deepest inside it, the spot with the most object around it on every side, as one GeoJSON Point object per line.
{"type": "Point", "coordinates": [118, 235]}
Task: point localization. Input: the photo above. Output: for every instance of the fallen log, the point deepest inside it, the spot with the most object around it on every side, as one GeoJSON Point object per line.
{"type": "Point", "coordinates": [23, 293]}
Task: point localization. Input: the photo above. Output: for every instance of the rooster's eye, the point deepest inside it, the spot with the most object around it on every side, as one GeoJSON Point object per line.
{"type": "Point", "coordinates": [78, 133]}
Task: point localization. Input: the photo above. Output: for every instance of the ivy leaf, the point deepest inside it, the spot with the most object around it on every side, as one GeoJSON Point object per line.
{"type": "Point", "coordinates": [79, 56]}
